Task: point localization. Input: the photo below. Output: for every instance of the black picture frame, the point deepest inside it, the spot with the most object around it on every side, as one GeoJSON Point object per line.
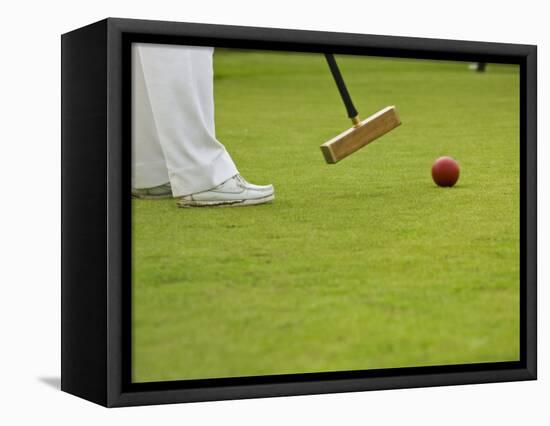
{"type": "Point", "coordinates": [96, 233]}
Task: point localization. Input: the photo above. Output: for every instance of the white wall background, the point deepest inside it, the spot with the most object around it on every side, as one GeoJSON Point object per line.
{"type": "Point", "coordinates": [30, 199]}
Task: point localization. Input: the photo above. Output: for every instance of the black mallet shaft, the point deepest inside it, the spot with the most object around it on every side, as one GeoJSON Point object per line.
{"type": "Point", "coordinates": [352, 112]}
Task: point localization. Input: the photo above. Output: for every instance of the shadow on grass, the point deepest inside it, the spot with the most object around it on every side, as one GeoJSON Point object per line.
{"type": "Point", "coordinates": [451, 188]}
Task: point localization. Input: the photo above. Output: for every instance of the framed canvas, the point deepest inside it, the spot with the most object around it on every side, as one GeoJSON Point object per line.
{"type": "Point", "coordinates": [397, 250]}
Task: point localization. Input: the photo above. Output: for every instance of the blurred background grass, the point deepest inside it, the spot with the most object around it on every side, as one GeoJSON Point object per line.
{"type": "Point", "coordinates": [359, 265]}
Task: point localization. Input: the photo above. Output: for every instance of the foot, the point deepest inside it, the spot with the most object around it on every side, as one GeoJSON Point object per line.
{"type": "Point", "coordinates": [478, 66]}
{"type": "Point", "coordinates": [233, 192]}
{"type": "Point", "coordinates": [155, 193]}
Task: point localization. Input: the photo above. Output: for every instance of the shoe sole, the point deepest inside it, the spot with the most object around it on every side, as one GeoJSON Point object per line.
{"type": "Point", "coordinates": [234, 203]}
{"type": "Point", "coordinates": [151, 197]}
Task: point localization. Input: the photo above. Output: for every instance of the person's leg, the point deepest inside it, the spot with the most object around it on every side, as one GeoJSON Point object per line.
{"type": "Point", "coordinates": [148, 163]}
{"type": "Point", "coordinates": [179, 83]}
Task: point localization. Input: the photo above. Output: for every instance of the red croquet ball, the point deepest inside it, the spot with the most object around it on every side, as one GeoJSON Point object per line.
{"type": "Point", "coordinates": [445, 171]}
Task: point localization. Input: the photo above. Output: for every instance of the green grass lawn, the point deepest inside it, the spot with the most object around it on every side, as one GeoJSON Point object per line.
{"type": "Point", "coordinates": [360, 265]}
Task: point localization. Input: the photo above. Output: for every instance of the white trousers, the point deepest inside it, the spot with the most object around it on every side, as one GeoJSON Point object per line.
{"type": "Point", "coordinates": [173, 131]}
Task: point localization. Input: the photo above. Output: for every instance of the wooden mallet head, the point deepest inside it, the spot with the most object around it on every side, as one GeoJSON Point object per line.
{"type": "Point", "coordinates": [363, 132]}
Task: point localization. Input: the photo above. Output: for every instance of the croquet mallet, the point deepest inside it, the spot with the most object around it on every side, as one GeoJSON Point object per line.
{"type": "Point", "coordinates": [363, 132]}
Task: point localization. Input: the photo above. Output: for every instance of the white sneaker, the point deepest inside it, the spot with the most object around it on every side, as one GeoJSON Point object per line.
{"type": "Point", "coordinates": [478, 66]}
{"type": "Point", "coordinates": [233, 192]}
{"type": "Point", "coordinates": [155, 193]}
